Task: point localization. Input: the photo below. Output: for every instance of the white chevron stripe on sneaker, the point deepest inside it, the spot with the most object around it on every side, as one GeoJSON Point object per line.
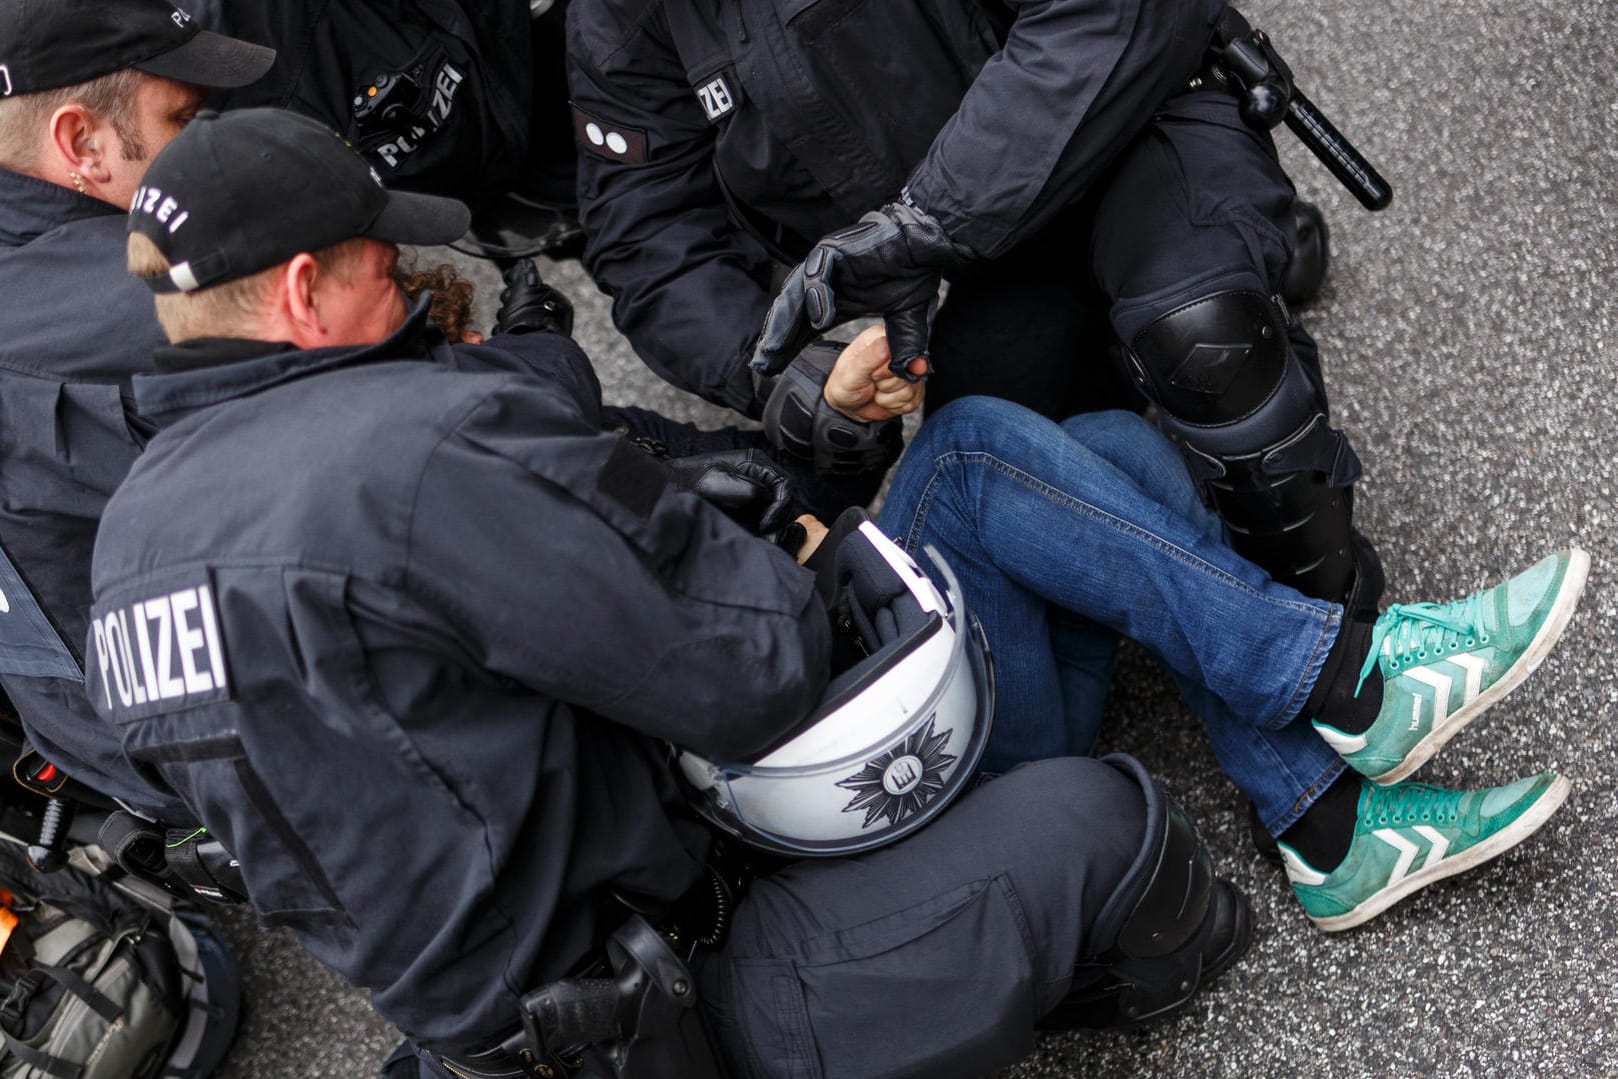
{"type": "Point", "coordinates": [1407, 853]}
{"type": "Point", "coordinates": [1441, 685]}
{"type": "Point", "coordinates": [1438, 840]}
{"type": "Point", "coordinates": [1474, 667]}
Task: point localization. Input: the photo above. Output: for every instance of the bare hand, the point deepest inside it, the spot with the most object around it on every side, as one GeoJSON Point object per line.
{"type": "Point", "coordinates": [814, 532]}
{"type": "Point", "coordinates": [862, 388]}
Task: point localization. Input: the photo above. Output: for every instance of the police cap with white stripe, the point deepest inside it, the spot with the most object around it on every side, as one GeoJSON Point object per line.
{"type": "Point", "coordinates": [45, 44]}
{"type": "Point", "coordinates": [239, 192]}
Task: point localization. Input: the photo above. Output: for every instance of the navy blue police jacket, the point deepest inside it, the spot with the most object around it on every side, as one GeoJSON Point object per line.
{"type": "Point", "coordinates": [407, 631]}
{"type": "Point", "coordinates": [74, 328]}
{"type": "Point", "coordinates": [703, 125]}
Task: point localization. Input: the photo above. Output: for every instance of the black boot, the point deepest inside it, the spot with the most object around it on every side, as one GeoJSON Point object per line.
{"type": "Point", "coordinates": [1154, 989]}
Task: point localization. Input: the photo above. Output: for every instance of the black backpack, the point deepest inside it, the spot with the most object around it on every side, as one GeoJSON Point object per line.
{"type": "Point", "coordinates": [93, 986]}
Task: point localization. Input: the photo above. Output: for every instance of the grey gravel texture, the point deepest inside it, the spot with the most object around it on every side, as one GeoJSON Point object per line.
{"type": "Point", "coordinates": [1470, 334]}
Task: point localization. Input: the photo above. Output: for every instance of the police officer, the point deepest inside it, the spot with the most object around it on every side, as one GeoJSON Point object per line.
{"type": "Point", "coordinates": [90, 90]}
{"type": "Point", "coordinates": [1050, 160]}
{"type": "Point", "coordinates": [418, 628]}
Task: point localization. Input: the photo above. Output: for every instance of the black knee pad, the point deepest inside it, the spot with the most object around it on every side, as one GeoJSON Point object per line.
{"type": "Point", "coordinates": [1256, 434]}
{"type": "Point", "coordinates": [1215, 360]}
{"type": "Point", "coordinates": [1174, 926]}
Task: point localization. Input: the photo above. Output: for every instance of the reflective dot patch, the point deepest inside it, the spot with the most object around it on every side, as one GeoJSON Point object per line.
{"type": "Point", "coordinates": [604, 138]}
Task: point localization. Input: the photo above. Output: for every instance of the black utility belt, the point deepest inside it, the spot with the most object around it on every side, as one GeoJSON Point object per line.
{"type": "Point", "coordinates": [638, 1021]}
{"type": "Point", "coordinates": [629, 1011]}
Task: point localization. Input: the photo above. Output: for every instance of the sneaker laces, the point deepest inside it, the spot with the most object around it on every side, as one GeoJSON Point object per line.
{"type": "Point", "coordinates": [1413, 802]}
{"type": "Point", "coordinates": [1417, 629]}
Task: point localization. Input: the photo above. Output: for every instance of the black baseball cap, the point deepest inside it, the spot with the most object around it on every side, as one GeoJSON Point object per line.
{"type": "Point", "coordinates": [45, 44]}
{"type": "Point", "coordinates": [239, 192]}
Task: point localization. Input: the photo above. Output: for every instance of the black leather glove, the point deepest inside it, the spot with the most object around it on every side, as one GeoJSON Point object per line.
{"type": "Point", "coordinates": [749, 487]}
{"type": "Point", "coordinates": [889, 264]}
{"type": "Point", "coordinates": [529, 305]}
{"type": "Point", "coordinates": [799, 423]}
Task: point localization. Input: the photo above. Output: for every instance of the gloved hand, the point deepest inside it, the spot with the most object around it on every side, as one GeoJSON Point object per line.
{"type": "Point", "coordinates": [889, 264]}
{"type": "Point", "coordinates": [529, 305]}
{"type": "Point", "coordinates": [860, 587]}
{"type": "Point", "coordinates": [749, 487]}
{"type": "Point", "coordinates": [801, 423]}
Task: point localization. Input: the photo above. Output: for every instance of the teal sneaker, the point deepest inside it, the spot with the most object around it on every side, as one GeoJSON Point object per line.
{"type": "Point", "coordinates": [1443, 665]}
{"type": "Point", "coordinates": [1409, 835]}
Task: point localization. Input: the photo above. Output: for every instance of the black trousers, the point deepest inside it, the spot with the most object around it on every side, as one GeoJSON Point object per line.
{"type": "Point", "coordinates": [934, 956]}
{"type": "Point", "coordinates": [1197, 203]}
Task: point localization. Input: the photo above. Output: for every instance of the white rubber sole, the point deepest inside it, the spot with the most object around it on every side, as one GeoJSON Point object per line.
{"type": "Point", "coordinates": [1496, 845]}
{"type": "Point", "coordinates": [1550, 631]}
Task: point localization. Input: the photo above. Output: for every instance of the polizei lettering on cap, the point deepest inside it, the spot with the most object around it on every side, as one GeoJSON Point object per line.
{"type": "Point", "coordinates": [152, 202]}
{"type": "Point", "coordinates": [160, 654]}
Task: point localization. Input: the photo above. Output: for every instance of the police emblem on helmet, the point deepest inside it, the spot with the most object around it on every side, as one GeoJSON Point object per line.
{"type": "Point", "coordinates": [902, 781]}
{"type": "Point", "coordinates": [895, 738]}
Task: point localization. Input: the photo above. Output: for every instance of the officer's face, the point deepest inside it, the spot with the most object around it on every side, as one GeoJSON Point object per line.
{"type": "Point", "coordinates": [363, 305]}
{"type": "Point", "coordinates": [162, 108]}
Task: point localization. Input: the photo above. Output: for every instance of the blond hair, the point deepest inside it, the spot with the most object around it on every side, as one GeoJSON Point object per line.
{"type": "Point", "coordinates": [110, 98]}
{"type": "Point", "coordinates": [231, 308]}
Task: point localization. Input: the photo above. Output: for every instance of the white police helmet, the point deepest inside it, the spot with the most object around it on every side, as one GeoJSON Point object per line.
{"type": "Point", "coordinates": [897, 735]}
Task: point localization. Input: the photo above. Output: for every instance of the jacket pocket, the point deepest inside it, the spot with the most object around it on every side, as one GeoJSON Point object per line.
{"type": "Point", "coordinates": [285, 880]}
{"type": "Point", "coordinates": [949, 982]}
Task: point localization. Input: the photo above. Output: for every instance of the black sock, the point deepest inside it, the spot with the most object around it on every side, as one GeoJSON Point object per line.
{"type": "Point", "coordinates": [1332, 701]}
{"type": "Point", "coordinates": [1322, 835]}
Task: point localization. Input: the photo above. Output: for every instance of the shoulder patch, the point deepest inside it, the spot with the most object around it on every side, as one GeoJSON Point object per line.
{"type": "Point", "coordinates": [717, 98]}
{"type": "Point", "coordinates": [156, 654]}
{"type": "Point", "coordinates": [604, 138]}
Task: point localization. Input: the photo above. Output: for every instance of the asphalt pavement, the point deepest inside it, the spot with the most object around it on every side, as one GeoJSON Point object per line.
{"type": "Point", "coordinates": [1470, 337]}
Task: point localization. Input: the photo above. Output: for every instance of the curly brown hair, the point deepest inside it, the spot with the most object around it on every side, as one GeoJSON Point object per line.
{"type": "Point", "coordinates": [451, 308]}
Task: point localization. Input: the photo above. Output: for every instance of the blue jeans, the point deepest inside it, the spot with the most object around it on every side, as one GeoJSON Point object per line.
{"type": "Point", "coordinates": [1066, 537]}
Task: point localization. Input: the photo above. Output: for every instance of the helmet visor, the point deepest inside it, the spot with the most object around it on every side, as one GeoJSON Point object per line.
{"type": "Point", "coordinates": [824, 793]}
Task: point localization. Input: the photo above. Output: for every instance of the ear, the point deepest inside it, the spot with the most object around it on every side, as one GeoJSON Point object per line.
{"type": "Point", "coordinates": [77, 145]}
{"type": "Point", "coordinates": [300, 302]}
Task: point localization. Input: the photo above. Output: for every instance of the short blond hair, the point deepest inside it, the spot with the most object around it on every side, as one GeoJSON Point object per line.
{"type": "Point", "coordinates": [231, 308]}
{"type": "Point", "coordinates": [110, 97]}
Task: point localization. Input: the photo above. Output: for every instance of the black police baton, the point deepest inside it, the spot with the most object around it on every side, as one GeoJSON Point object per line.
{"type": "Point", "coordinates": [1246, 63]}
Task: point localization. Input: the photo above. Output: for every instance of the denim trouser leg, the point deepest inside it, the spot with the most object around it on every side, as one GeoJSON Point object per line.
{"type": "Point", "coordinates": [1097, 517]}
{"type": "Point", "coordinates": [1086, 655]}
{"type": "Point", "coordinates": [1283, 769]}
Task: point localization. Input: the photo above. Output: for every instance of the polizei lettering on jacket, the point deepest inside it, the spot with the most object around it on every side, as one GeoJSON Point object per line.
{"type": "Point", "coordinates": [159, 654]}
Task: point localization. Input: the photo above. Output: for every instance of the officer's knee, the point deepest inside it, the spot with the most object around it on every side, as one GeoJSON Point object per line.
{"type": "Point", "coordinates": [1214, 360]}
{"type": "Point", "coordinates": [1073, 794]}
{"type": "Point", "coordinates": [1231, 391]}
{"type": "Point", "coordinates": [1170, 926]}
